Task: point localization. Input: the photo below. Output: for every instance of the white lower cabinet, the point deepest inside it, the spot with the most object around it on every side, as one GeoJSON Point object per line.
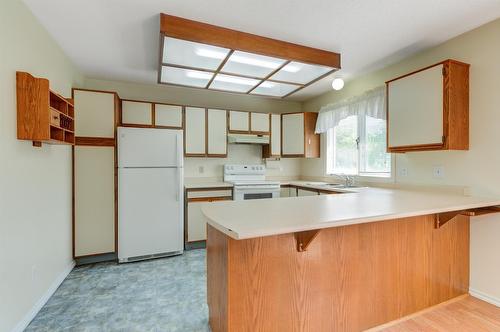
{"type": "Point", "coordinates": [285, 192]}
{"type": "Point", "coordinates": [94, 200]}
{"type": "Point", "coordinates": [196, 226]}
{"type": "Point", "coordinates": [303, 192]}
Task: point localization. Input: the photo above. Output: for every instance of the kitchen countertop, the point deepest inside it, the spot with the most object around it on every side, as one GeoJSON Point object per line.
{"type": "Point", "coordinates": [264, 217]}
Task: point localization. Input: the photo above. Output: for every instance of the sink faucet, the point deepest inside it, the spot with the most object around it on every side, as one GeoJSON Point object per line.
{"type": "Point", "coordinates": [349, 179]}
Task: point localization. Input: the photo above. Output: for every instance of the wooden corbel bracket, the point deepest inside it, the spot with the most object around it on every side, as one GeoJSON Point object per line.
{"type": "Point", "coordinates": [443, 218]}
{"type": "Point", "coordinates": [305, 238]}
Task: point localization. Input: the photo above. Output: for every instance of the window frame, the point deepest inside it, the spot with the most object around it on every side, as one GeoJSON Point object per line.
{"type": "Point", "coordinates": [366, 176]}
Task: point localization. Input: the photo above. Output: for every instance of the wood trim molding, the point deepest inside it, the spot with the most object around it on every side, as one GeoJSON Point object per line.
{"type": "Point", "coordinates": [94, 141]}
{"type": "Point", "coordinates": [181, 28]}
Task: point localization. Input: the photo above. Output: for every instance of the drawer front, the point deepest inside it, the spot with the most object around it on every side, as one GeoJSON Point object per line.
{"type": "Point", "coordinates": [206, 194]}
{"type": "Point", "coordinates": [55, 118]}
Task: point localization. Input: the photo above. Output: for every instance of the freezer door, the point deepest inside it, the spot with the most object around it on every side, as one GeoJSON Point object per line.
{"type": "Point", "coordinates": [148, 147]}
{"type": "Point", "coordinates": [150, 203]}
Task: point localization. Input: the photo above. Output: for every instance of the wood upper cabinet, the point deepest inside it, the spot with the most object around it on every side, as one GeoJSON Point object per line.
{"type": "Point", "coordinates": [168, 116]}
{"type": "Point", "coordinates": [298, 137]}
{"type": "Point", "coordinates": [95, 113]}
{"type": "Point", "coordinates": [259, 123]}
{"type": "Point", "coordinates": [216, 133]}
{"type": "Point", "coordinates": [195, 132]}
{"type": "Point", "coordinates": [137, 113]}
{"type": "Point", "coordinates": [429, 109]}
{"type": "Point", "coordinates": [274, 147]}
{"type": "Point", "coordinates": [42, 114]}
{"type": "Point", "coordinates": [239, 121]}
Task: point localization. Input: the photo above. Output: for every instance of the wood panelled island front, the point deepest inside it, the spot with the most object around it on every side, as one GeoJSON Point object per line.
{"type": "Point", "coordinates": [350, 278]}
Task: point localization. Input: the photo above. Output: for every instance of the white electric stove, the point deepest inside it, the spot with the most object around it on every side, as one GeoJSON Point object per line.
{"type": "Point", "coordinates": [249, 182]}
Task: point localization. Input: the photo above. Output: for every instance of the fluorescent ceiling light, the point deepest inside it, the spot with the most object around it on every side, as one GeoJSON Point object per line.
{"type": "Point", "coordinates": [210, 54]}
{"type": "Point", "coordinates": [235, 80]}
{"type": "Point", "coordinates": [291, 68]}
{"type": "Point", "coordinates": [267, 85]}
{"type": "Point", "coordinates": [199, 75]}
{"type": "Point", "coordinates": [255, 62]}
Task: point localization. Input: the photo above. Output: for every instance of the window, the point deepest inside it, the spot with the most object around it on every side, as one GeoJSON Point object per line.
{"type": "Point", "coordinates": [357, 146]}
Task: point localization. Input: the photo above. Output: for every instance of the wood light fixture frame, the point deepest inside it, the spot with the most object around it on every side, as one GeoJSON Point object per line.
{"type": "Point", "coordinates": [184, 29]}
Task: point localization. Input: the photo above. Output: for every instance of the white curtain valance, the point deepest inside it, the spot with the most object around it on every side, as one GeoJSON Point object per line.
{"type": "Point", "coordinates": [371, 103]}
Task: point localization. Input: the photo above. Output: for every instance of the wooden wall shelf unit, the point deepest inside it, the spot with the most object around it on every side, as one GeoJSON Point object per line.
{"type": "Point", "coordinates": [428, 109]}
{"type": "Point", "coordinates": [42, 114]}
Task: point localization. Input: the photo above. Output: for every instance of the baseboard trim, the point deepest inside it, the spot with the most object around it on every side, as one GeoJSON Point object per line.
{"type": "Point", "coordinates": [45, 297]}
{"type": "Point", "coordinates": [485, 297]}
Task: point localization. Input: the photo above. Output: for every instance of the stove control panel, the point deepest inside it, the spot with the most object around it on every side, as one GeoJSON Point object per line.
{"type": "Point", "coordinates": [244, 170]}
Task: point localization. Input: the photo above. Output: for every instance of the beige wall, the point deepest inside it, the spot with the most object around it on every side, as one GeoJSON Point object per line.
{"type": "Point", "coordinates": [212, 167]}
{"type": "Point", "coordinates": [476, 168]}
{"type": "Point", "coordinates": [35, 183]}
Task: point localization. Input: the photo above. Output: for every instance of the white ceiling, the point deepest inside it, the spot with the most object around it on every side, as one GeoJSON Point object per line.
{"type": "Point", "coordinates": [119, 39]}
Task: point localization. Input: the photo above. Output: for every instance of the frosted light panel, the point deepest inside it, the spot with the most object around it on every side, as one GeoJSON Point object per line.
{"type": "Point", "coordinates": [191, 54]}
{"type": "Point", "coordinates": [187, 77]}
{"type": "Point", "coordinates": [274, 89]}
{"type": "Point", "coordinates": [302, 73]}
{"type": "Point", "coordinates": [248, 64]}
{"type": "Point", "coordinates": [233, 83]}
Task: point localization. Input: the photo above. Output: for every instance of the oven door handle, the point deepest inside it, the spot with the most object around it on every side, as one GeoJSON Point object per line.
{"type": "Point", "coordinates": [256, 187]}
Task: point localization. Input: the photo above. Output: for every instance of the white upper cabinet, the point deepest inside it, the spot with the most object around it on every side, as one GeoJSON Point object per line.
{"type": "Point", "coordinates": [168, 116]}
{"type": "Point", "coordinates": [239, 121]}
{"type": "Point", "coordinates": [217, 132]}
{"type": "Point", "coordinates": [259, 122]}
{"type": "Point", "coordinates": [137, 113]}
{"type": "Point", "coordinates": [275, 135]}
{"type": "Point", "coordinates": [194, 131]}
{"type": "Point", "coordinates": [415, 107]}
{"type": "Point", "coordinates": [293, 134]}
{"type": "Point", "coordinates": [274, 147]}
{"type": "Point", "coordinates": [94, 113]}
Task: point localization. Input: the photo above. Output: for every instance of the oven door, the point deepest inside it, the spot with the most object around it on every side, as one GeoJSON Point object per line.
{"type": "Point", "coordinates": [255, 192]}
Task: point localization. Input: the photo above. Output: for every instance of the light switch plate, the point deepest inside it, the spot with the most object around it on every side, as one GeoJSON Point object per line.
{"type": "Point", "coordinates": [403, 171]}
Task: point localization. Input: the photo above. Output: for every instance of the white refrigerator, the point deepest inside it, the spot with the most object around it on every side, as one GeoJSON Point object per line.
{"type": "Point", "coordinates": [150, 193]}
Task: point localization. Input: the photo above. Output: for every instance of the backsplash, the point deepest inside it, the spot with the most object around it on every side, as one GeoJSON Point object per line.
{"type": "Point", "coordinates": [240, 154]}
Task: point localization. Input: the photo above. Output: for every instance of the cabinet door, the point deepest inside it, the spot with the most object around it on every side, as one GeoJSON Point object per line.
{"type": "Point", "coordinates": [94, 113]}
{"type": "Point", "coordinates": [259, 122]}
{"type": "Point", "coordinates": [303, 192]}
{"type": "Point", "coordinates": [194, 131]}
{"type": "Point", "coordinates": [293, 134]}
{"type": "Point", "coordinates": [285, 192]}
{"type": "Point", "coordinates": [239, 121]}
{"type": "Point", "coordinates": [275, 135]}
{"type": "Point", "coordinates": [94, 200]}
{"type": "Point", "coordinates": [197, 226]}
{"type": "Point", "coordinates": [137, 113]}
{"type": "Point", "coordinates": [415, 109]}
{"type": "Point", "coordinates": [217, 132]}
{"type": "Point", "coordinates": [168, 116]}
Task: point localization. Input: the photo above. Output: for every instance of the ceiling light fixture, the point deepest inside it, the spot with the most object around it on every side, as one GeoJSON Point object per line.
{"type": "Point", "coordinates": [235, 80]}
{"type": "Point", "coordinates": [210, 54]}
{"type": "Point", "coordinates": [199, 75]}
{"type": "Point", "coordinates": [337, 83]}
{"type": "Point", "coordinates": [201, 55]}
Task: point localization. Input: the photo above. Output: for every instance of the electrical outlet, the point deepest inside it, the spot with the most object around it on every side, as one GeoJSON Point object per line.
{"type": "Point", "coordinates": [438, 172]}
{"type": "Point", "coordinates": [201, 169]}
{"type": "Point", "coordinates": [403, 171]}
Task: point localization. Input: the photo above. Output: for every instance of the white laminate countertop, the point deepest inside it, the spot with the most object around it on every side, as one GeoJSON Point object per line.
{"type": "Point", "coordinates": [264, 217]}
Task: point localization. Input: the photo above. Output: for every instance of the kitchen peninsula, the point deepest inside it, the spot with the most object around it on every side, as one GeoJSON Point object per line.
{"type": "Point", "coordinates": [343, 262]}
